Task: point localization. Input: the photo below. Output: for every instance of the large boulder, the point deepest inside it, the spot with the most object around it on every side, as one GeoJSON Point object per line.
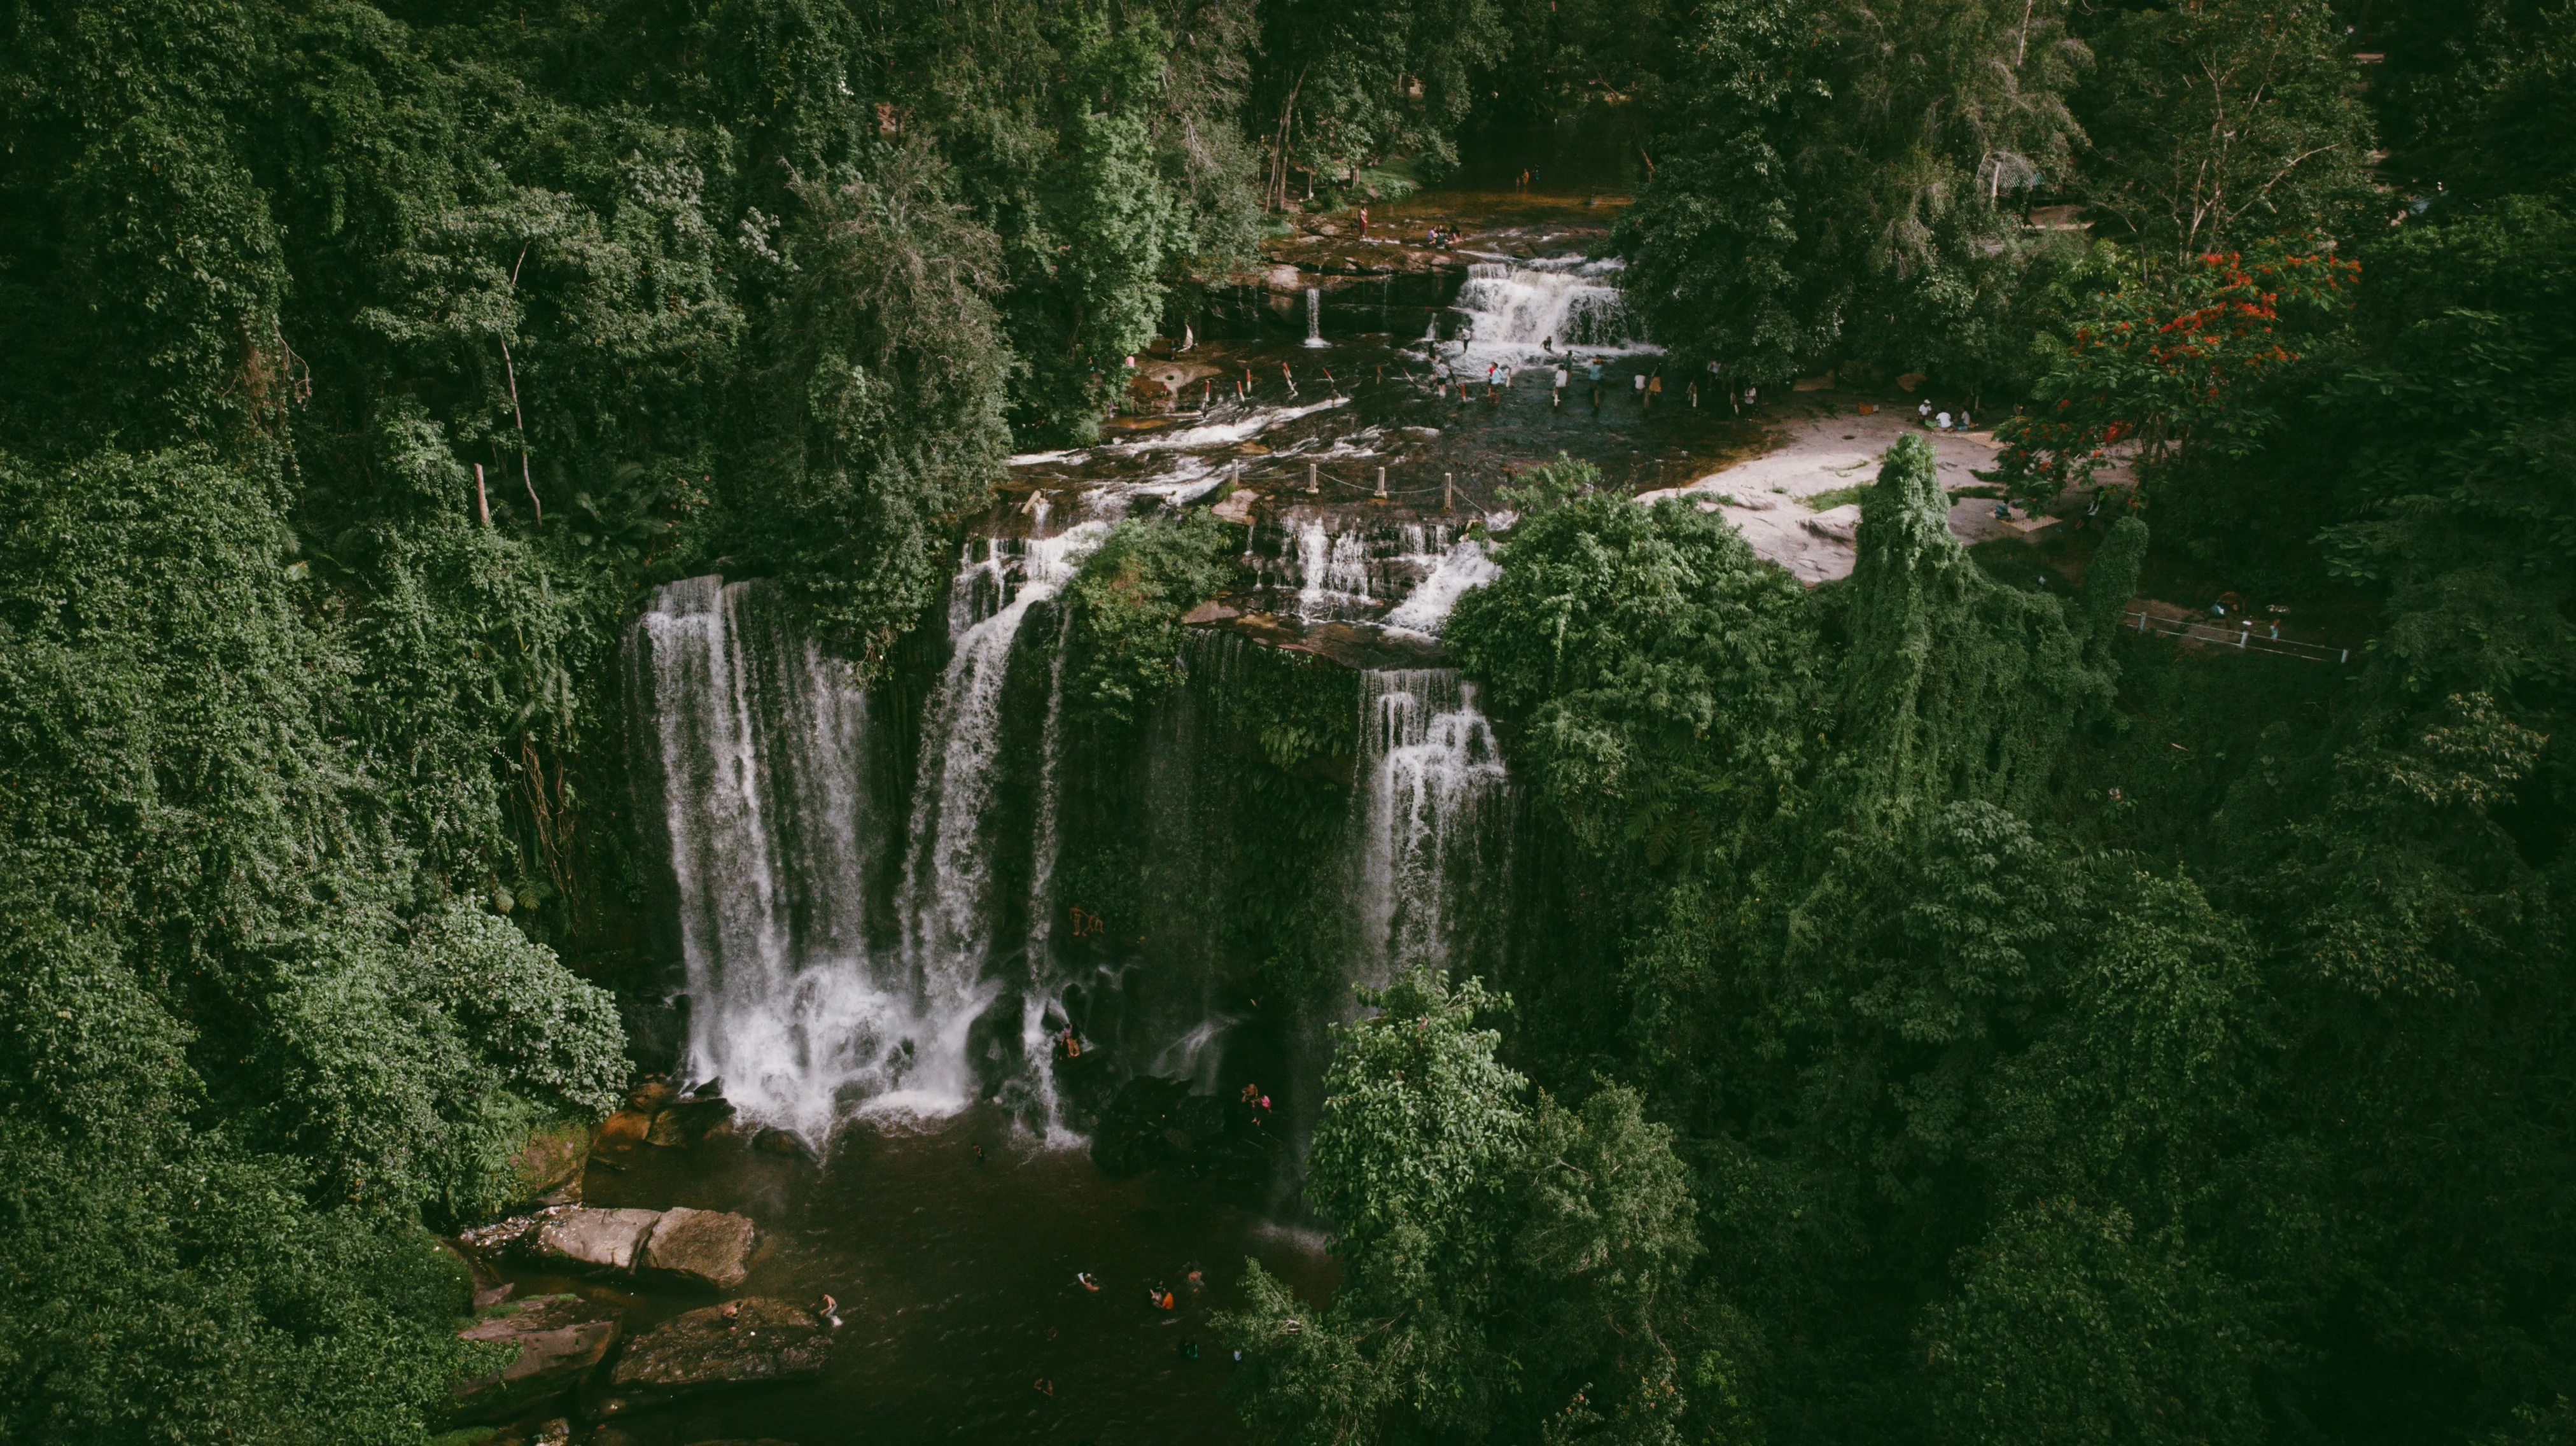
{"type": "Point", "coordinates": [763, 1342]}
{"type": "Point", "coordinates": [559, 1339]}
{"type": "Point", "coordinates": [699, 1247]}
{"type": "Point", "coordinates": [584, 1238]}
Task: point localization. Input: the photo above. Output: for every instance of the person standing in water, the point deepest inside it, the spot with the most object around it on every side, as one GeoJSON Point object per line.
{"type": "Point", "coordinates": [1592, 374]}
{"type": "Point", "coordinates": [1363, 220]}
{"type": "Point", "coordinates": [1556, 400]}
{"type": "Point", "coordinates": [1654, 387]}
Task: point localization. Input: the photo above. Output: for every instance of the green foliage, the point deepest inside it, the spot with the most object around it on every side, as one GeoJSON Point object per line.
{"type": "Point", "coordinates": [1344, 84]}
{"type": "Point", "coordinates": [1954, 686]}
{"type": "Point", "coordinates": [2473, 100]}
{"type": "Point", "coordinates": [1499, 1260]}
{"type": "Point", "coordinates": [882, 393]}
{"type": "Point", "coordinates": [1832, 181]}
{"type": "Point", "coordinates": [1668, 674]}
{"type": "Point", "coordinates": [2218, 123]}
{"type": "Point", "coordinates": [2179, 362]}
{"type": "Point", "coordinates": [1126, 602]}
{"type": "Point", "coordinates": [245, 1042]}
{"type": "Point", "coordinates": [2452, 428]}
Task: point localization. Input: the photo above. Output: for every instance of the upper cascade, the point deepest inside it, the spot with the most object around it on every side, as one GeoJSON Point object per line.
{"type": "Point", "coordinates": [1515, 307]}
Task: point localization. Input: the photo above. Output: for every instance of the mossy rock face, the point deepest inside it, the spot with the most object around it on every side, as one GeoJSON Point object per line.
{"type": "Point", "coordinates": [558, 1339]}
{"type": "Point", "coordinates": [551, 1160]}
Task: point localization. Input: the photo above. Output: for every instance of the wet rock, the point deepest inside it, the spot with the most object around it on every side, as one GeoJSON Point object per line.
{"type": "Point", "coordinates": [620, 1135]}
{"type": "Point", "coordinates": [583, 1238]}
{"type": "Point", "coordinates": [785, 1143]}
{"type": "Point", "coordinates": [559, 1339]}
{"type": "Point", "coordinates": [764, 1342]}
{"type": "Point", "coordinates": [647, 1096]}
{"type": "Point", "coordinates": [689, 1121]}
{"type": "Point", "coordinates": [707, 1248]}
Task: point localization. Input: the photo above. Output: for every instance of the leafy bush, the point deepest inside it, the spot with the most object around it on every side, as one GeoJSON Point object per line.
{"type": "Point", "coordinates": [1125, 606]}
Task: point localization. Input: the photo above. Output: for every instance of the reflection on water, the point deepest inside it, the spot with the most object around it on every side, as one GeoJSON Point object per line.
{"type": "Point", "coordinates": [956, 1283]}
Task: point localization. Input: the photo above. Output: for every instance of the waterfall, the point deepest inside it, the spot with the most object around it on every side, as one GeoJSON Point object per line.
{"type": "Point", "coordinates": [1315, 317]}
{"type": "Point", "coordinates": [1430, 819]}
{"type": "Point", "coordinates": [759, 746]}
{"type": "Point", "coordinates": [759, 742]}
{"type": "Point", "coordinates": [1516, 308]}
{"type": "Point", "coordinates": [1318, 568]}
{"type": "Point", "coordinates": [1333, 572]}
{"type": "Point", "coordinates": [1046, 983]}
{"type": "Point", "coordinates": [948, 902]}
{"type": "Point", "coordinates": [1463, 569]}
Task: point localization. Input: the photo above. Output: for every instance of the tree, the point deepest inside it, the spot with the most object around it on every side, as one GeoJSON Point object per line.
{"type": "Point", "coordinates": [1501, 1266]}
{"type": "Point", "coordinates": [2218, 122]}
{"type": "Point", "coordinates": [2177, 361]}
{"type": "Point", "coordinates": [1840, 173]}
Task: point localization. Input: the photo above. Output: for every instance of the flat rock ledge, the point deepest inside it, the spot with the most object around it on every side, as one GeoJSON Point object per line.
{"type": "Point", "coordinates": [560, 1339]}
{"type": "Point", "coordinates": [708, 1249]}
{"type": "Point", "coordinates": [762, 1342]}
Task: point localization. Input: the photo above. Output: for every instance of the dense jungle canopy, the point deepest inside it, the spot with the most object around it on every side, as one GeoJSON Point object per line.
{"type": "Point", "coordinates": [1996, 1027]}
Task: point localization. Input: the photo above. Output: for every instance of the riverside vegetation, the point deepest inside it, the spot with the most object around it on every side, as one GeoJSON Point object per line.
{"type": "Point", "coordinates": [1974, 1022]}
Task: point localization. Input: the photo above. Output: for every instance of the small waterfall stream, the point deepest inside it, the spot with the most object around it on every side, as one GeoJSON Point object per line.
{"type": "Point", "coordinates": [1430, 818]}
{"type": "Point", "coordinates": [948, 903]}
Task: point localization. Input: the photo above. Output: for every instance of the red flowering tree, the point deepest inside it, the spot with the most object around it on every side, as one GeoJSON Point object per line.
{"type": "Point", "coordinates": [2173, 361]}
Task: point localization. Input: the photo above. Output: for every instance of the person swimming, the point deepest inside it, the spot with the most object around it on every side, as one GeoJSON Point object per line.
{"type": "Point", "coordinates": [1083, 1277]}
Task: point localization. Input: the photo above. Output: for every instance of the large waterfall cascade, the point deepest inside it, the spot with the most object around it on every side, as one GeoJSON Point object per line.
{"type": "Point", "coordinates": [761, 747]}
{"type": "Point", "coordinates": [850, 953]}
{"type": "Point", "coordinates": [762, 753]}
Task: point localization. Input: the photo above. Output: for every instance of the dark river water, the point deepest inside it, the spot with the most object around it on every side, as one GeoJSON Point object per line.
{"type": "Point", "coordinates": [963, 1319]}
